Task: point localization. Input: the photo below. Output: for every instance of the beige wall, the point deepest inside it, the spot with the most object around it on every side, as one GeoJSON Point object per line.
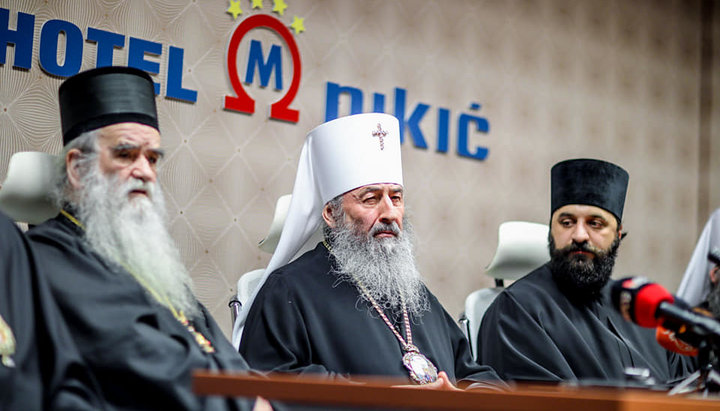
{"type": "Point", "coordinates": [616, 80]}
{"type": "Point", "coordinates": [712, 119]}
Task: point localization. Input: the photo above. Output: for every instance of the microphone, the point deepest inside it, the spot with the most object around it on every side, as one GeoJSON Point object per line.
{"type": "Point", "coordinates": [650, 305]}
{"type": "Point", "coordinates": [669, 341]}
{"type": "Point", "coordinates": [637, 299]}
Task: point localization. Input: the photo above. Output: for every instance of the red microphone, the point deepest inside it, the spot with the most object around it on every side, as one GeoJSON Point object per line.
{"type": "Point", "coordinates": [650, 305]}
{"type": "Point", "coordinates": [638, 299]}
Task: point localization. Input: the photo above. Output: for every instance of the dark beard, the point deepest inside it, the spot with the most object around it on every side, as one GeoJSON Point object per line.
{"type": "Point", "coordinates": [578, 276]}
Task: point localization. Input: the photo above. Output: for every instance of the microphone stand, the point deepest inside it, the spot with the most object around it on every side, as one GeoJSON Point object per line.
{"type": "Point", "coordinates": [706, 379]}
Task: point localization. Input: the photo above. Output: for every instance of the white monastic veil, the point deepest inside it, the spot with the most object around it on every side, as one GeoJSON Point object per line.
{"type": "Point", "coordinates": [695, 284]}
{"type": "Point", "coordinates": [337, 156]}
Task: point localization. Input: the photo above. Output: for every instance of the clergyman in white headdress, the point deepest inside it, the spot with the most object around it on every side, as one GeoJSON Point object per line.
{"type": "Point", "coordinates": [696, 284]}
{"type": "Point", "coordinates": [356, 303]}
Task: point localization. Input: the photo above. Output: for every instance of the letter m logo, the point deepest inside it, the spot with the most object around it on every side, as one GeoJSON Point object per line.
{"type": "Point", "coordinates": [264, 67]}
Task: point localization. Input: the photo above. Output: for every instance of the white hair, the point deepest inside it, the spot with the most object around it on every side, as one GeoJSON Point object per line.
{"type": "Point", "coordinates": [131, 233]}
{"type": "Point", "coordinates": [385, 266]}
{"type": "Point", "coordinates": [87, 143]}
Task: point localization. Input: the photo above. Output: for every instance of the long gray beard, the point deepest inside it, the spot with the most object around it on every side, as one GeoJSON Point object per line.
{"type": "Point", "coordinates": [133, 234]}
{"type": "Point", "coordinates": [384, 266]}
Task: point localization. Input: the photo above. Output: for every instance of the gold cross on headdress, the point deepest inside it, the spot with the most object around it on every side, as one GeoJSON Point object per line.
{"type": "Point", "coordinates": [380, 133]}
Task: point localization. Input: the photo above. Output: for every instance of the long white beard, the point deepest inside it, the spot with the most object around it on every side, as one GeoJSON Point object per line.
{"type": "Point", "coordinates": [385, 266]}
{"type": "Point", "coordinates": [133, 234]}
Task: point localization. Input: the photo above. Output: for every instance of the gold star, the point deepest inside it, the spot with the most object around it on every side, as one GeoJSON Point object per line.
{"type": "Point", "coordinates": [234, 9]}
{"type": "Point", "coordinates": [298, 24]}
{"type": "Point", "coordinates": [279, 6]}
{"type": "Point", "coordinates": [257, 4]}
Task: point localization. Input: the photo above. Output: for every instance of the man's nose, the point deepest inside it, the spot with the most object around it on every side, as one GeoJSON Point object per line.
{"type": "Point", "coordinates": [580, 233]}
{"type": "Point", "coordinates": [143, 170]}
{"type": "Point", "coordinates": [389, 212]}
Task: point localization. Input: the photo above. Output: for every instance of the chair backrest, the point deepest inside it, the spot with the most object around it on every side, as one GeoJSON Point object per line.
{"type": "Point", "coordinates": [270, 241]}
{"type": "Point", "coordinates": [475, 305]}
{"type": "Point", "coordinates": [25, 193]}
{"type": "Point", "coordinates": [247, 282]}
{"type": "Point", "coordinates": [522, 247]}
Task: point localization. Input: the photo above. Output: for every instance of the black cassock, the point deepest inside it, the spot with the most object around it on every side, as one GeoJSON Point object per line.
{"type": "Point", "coordinates": [141, 355]}
{"type": "Point", "coordinates": [532, 331]}
{"type": "Point", "coordinates": [42, 368]}
{"type": "Point", "coordinates": [305, 320]}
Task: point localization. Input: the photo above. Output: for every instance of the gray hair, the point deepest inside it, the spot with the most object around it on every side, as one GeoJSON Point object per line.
{"type": "Point", "coordinates": [336, 211]}
{"type": "Point", "coordinates": [87, 143]}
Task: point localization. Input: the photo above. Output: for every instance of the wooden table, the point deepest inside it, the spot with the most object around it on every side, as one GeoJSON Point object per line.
{"type": "Point", "coordinates": [382, 393]}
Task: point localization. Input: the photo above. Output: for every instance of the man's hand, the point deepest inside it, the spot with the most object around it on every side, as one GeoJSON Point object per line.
{"type": "Point", "coordinates": [442, 383]}
{"type": "Point", "coordinates": [261, 404]}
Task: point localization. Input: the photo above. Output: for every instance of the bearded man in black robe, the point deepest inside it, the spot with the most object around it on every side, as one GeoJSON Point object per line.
{"type": "Point", "coordinates": [557, 323]}
{"type": "Point", "coordinates": [356, 304]}
{"type": "Point", "coordinates": [40, 367]}
{"type": "Point", "coordinates": [112, 266]}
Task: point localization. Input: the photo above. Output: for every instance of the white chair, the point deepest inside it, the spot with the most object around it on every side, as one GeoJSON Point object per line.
{"type": "Point", "coordinates": [269, 243]}
{"type": "Point", "coordinates": [246, 284]}
{"type": "Point", "coordinates": [25, 193]}
{"type": "Point", "coordinates": [522, 247]}
{"type": "Point", "coordinates": [249, 281]}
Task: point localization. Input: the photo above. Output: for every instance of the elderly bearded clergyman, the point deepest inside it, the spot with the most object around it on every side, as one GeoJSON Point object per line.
{"type": "Point", "coordinates": [111, 263]}
{"type": "Point", "coordinates": [356, 304]}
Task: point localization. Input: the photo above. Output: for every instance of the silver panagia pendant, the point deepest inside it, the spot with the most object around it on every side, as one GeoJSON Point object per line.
{"type": "Point", "coordinates": [421, 370]}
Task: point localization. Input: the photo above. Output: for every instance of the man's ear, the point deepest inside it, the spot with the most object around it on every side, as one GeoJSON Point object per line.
{"type": "Point", "coordinates": [327, 215]}
{"type": "Point", "coordinates": [621, 233]}
{"type": "Point", "coordinates": [72, 159]}
{"type": "Point", "coordinates": [714, 274]}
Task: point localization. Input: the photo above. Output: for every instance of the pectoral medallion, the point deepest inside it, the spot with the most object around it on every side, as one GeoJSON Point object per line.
{"type": "Point", "coordinates": [7, 344]}
{"type": "Point", "coordinates": [421, 369]}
